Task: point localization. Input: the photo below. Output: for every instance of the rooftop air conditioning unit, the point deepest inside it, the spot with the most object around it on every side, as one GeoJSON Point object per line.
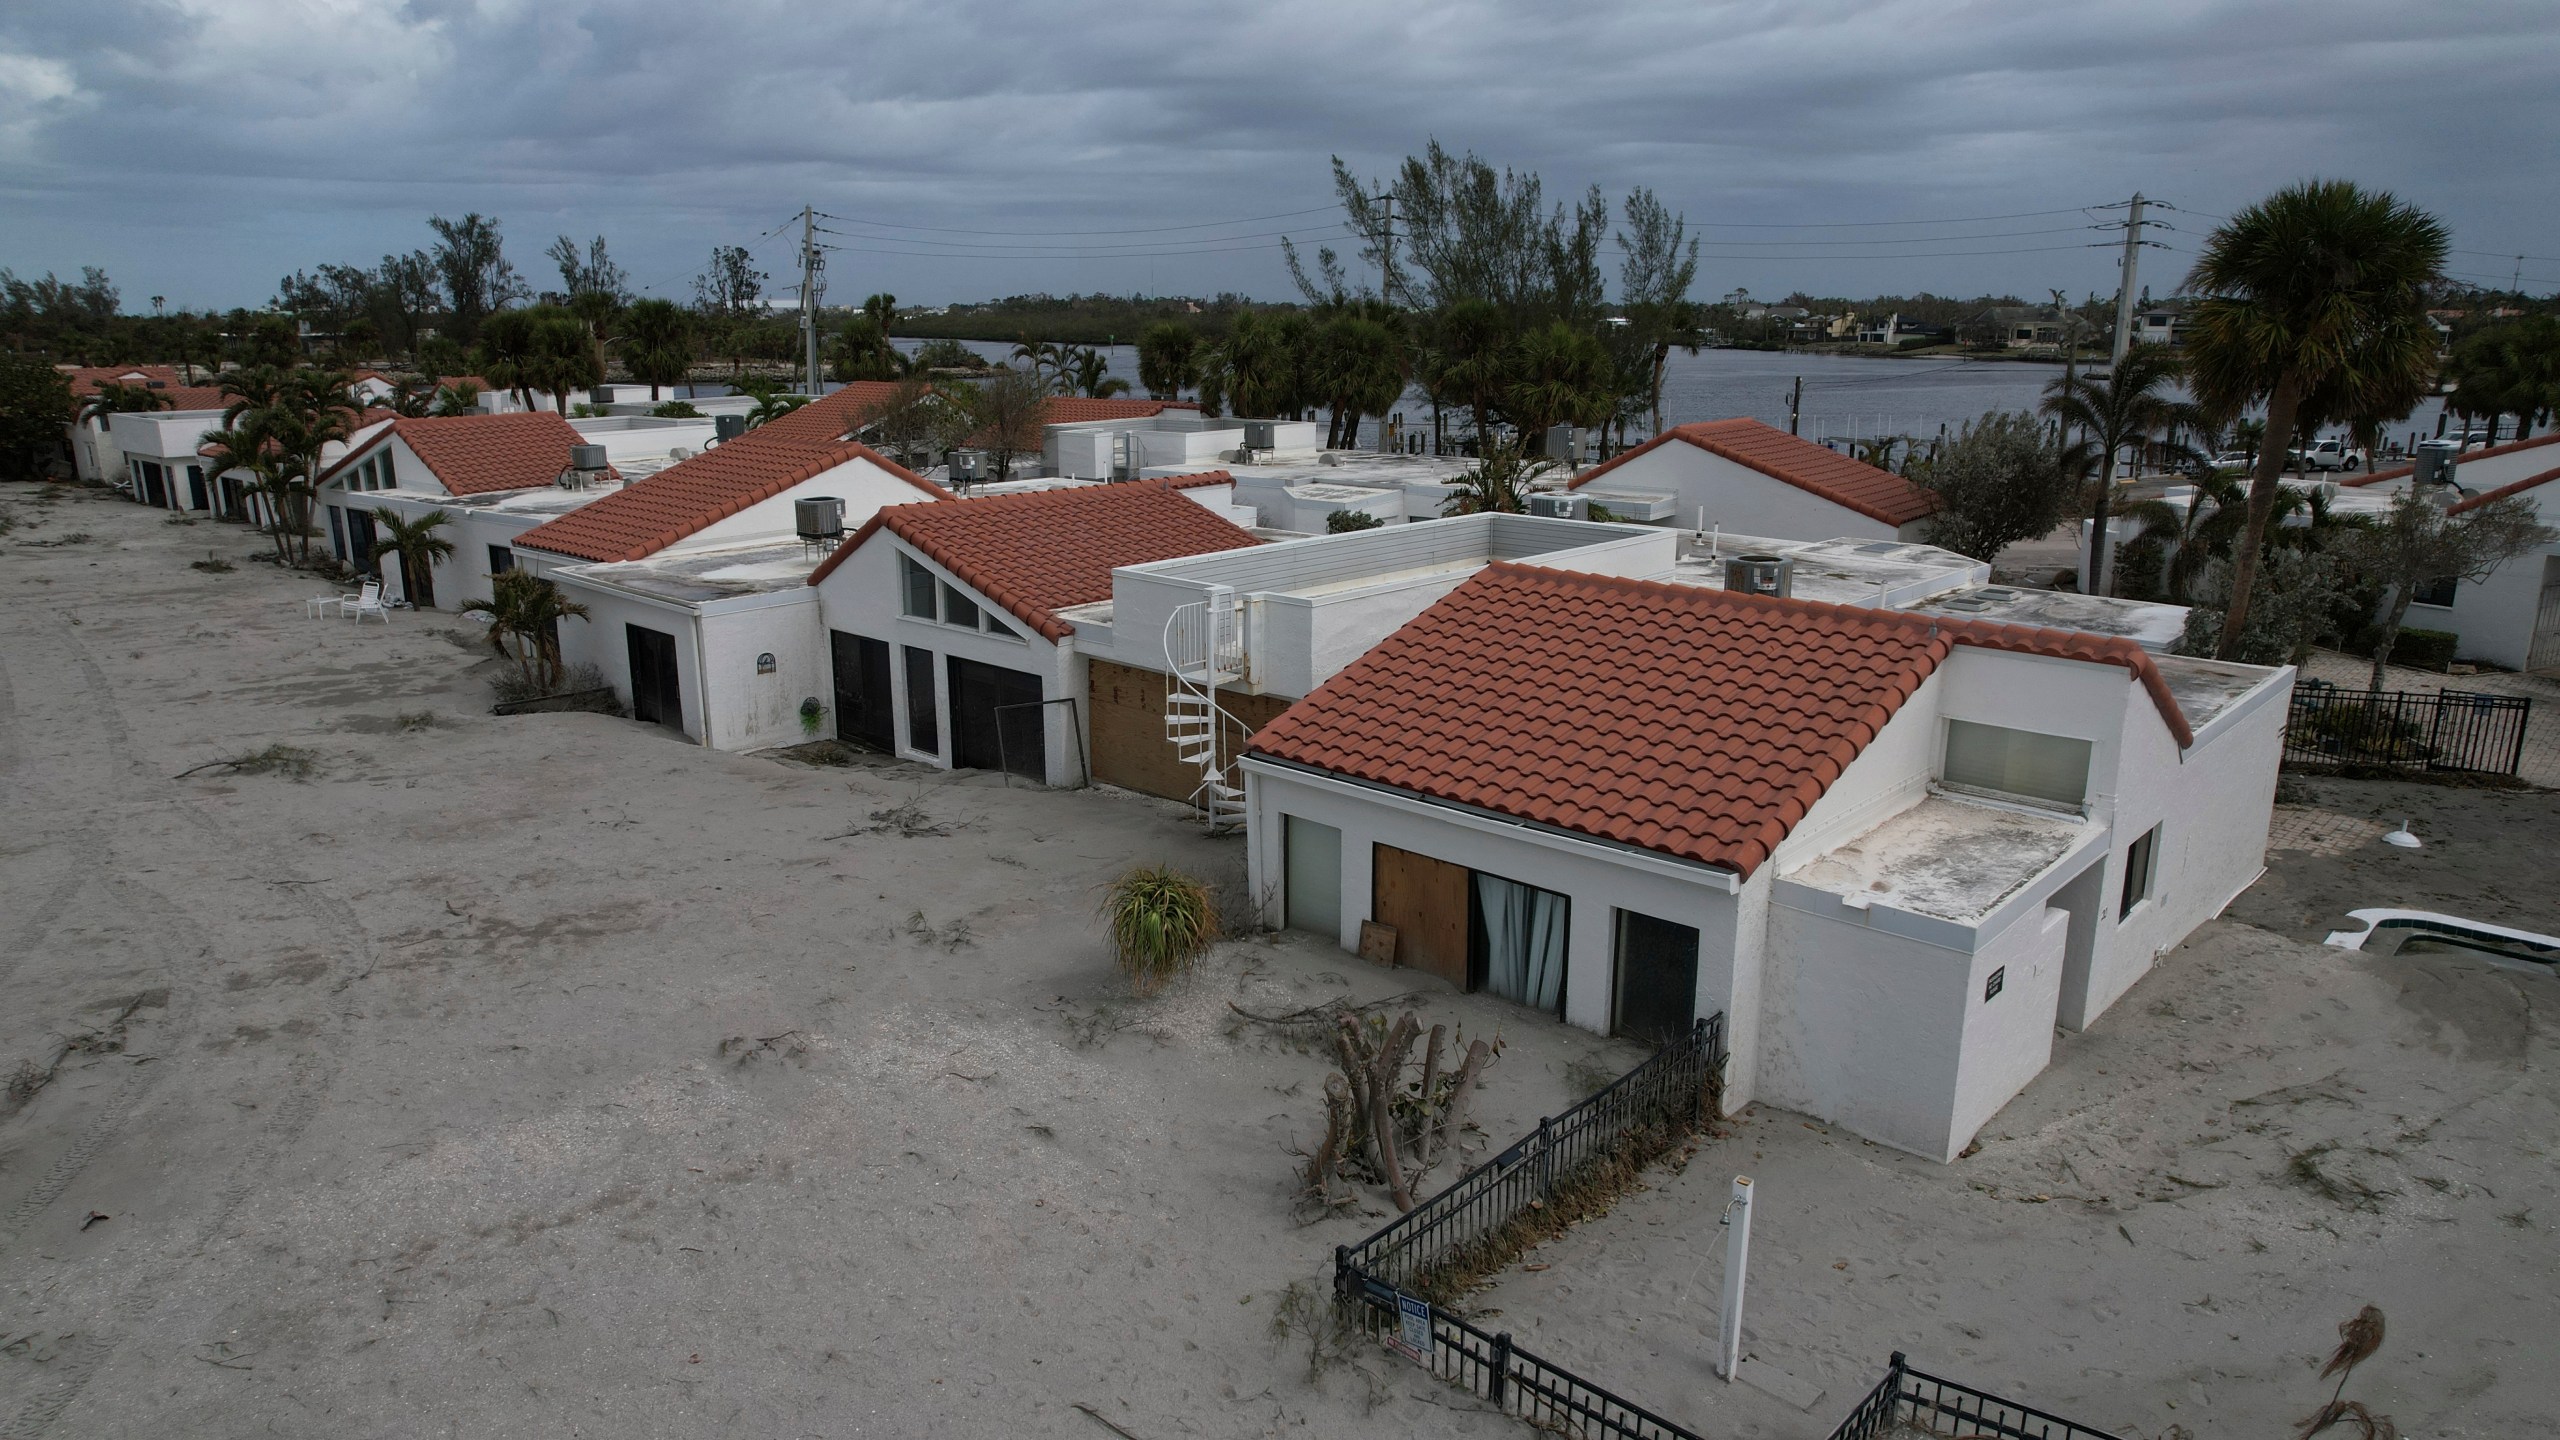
{"type": "Point", "coordinates": [819, 519]}
{"type": "Point", "coordinates": [1556, 505]}
{"type": "Point", "coordinates": [1760, 574]}
{"type": "Point", "coordinates": [968, 466]}
{"type": "Point", "coordinates": [2433, 464]}
{"type": "Point", "coordinates": [728, 427]}
{"type": "Point", "coordinates": [602, 396]}
{"type": "Point", "coordinates": [1262, 434]}
{"type": "Point", "coordinates": [586, 464]}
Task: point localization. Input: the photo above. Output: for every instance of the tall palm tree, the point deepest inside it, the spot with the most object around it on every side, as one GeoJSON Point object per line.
{"type": "Point", "coordinates": [2129, 407]}
{"type": "Point", "coordinates": [2312, 302]}
{"type": "Point", "coordinates": [460, 398]}
{"type": "Point", "coordinates": [419, 548]}
{"type": "Point", "coordinates": [1559, 375]}
{"type": "Point", "coordinates": [1169, 359]}
{"type": "Point", "coordinates": [242, 447]}
{"type": "Point", "coordinates": [1470, 345]}
{"type": "Point", "coordinates": [2195, 535]}
{"type": "Point", "coordinates": [524, 612]}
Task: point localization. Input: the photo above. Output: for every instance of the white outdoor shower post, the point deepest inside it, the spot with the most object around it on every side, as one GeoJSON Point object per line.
{"type": "Point", "coordinates": [1737, 1258]}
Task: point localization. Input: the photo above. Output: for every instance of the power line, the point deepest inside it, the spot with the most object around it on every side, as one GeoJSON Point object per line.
{"type": "Point", "coordinates": [1876, 224]}
{"type": "Point", "coordinates": [975, 245]}
{"type": "Point", "coordinates": [1712, 245]}
{"type": "Point", "coordinates": [1138, 230]}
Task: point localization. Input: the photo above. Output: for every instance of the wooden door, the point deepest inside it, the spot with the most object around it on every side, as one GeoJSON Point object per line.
{"type": "Point", "coordinates": [1426, 900]}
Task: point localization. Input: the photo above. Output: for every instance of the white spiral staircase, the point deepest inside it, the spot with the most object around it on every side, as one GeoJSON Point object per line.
{"type": "Point", "coordinates": [1203, 649]}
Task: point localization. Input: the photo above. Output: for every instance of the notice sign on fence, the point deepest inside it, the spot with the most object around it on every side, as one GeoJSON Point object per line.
{"type": "Point", "coordinates": [1412, 1335]}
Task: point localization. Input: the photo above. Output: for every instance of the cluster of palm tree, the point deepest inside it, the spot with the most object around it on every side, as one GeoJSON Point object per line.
{"type": "Point", "coordinates": [274, 430]}
{"type": "Point", "coordinates": [415, 397]}
{"type": "Point", "coordinates": [114, 397]}
{"type": "Point", "coordinates": [1071, 369]}
{"type": "Point", "coordinates": [553, 349]}
{"type": "Point", "coordinates": [2510, 369]}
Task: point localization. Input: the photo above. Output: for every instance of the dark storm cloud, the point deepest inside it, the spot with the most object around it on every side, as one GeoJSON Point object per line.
{"type": "Point", "coordinates": [199, 149]}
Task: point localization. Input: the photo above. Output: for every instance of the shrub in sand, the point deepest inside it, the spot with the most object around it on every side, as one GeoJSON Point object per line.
{"type": "Point", "coordinates": [1160, 921]}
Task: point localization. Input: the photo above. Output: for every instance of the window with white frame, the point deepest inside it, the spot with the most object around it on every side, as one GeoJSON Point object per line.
{"type": "Point", "coordinates": [926, 596]}
{"type": "Point", "coordinates": [2050, 770]}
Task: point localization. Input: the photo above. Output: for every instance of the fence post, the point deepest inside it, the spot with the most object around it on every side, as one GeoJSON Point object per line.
{"type": "Point", "coordinates": [1737, 1259]}
{"type": "Point", "coordinates": [1698, 1054]}
{"type": "Point", "coordinates": [1499, 1378]}
{"type": "Point", "coordinates": [1546, 1162]}
{"type": "Point", "coordinates": [1342, 1277]}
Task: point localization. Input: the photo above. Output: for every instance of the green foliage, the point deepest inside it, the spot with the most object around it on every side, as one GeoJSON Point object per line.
{"type": "Point", "coordinates": [657, 343]}
{"type": "Point", "coordinates": [1070, 320]}
{"type": "Point", "coordinates": [2292, 607]}
{"type": "Point", "coordinates": [1168, 359]}
{"type": "Point", "coordinates": [861, 350]}
{"type": "Point", "coordinates": [1499, 483]}
{"type": "Point", "coordinates": [524, 615]}
{"type": "Point", "coordinates": [2425, 649]}
{"type": "Point", "coordinates": [2000, 480]}
{"type": "Point", "coordinates": [675, 410]}
{"type": "Point", "coordinates": [415, 544]}
{"type": "Point", "coordinates": [947, 354]}
{"type": "Point", "coordinates": [1160, 922]}
{"type": "Point", "coordinates": [35, 403]}
{"type": "Point", "coordinates": [1343, 522]}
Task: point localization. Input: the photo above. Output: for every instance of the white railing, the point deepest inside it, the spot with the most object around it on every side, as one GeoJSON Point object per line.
{"type": "Point", "coordinates": [1204, 647]}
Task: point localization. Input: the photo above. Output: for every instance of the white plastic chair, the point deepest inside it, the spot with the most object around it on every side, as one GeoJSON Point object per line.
{"type": "Point", "coordinates": [367, 601]}
{"type": "Point", "coordinates": [321, 604]}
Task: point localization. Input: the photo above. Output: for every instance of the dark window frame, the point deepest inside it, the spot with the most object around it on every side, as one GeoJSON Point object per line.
{"type": "Point", "coordinates": [2141, 872]}
{"type": "Point", "coordinates": [924, 716]}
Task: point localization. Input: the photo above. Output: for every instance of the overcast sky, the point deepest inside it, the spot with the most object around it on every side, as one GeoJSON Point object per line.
{"type": "Point", "coordinates": [198, 149]}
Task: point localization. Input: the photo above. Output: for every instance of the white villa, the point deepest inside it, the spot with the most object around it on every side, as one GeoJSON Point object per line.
{"type": "Point", "coordinates": [2511, 619]}
{"type": "Point", "coordinates": [1741, 475]}
{"type": "Point", "coordinates": [1895, 849]}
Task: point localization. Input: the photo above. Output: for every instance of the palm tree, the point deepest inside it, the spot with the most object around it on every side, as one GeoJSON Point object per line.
{"type": "Point", "coordinates": [772, 404]}
{"type": "Point", "coordinates": [525, 611]}
{"type": "Point", "coordinates": [114, 397]}
{"type": "Point", "coordinates": [2195, 536]}
{"type": "Point", "coordinates": [562, 359]}
{"type": "Point", "coordinates": [1087, 373]}
{"type": "Point", "coordinates": [412, 396]}
{"type": "Point", "coordinates": [1049, 361]}
{"type": "Point", "coordinates": [1499, 483]}
{"type": "Point", "coordinates": [2127, 408]}
{"type": "Point", "coordinates": [459, 398]}
{"type": "Point", "coordinates": [251, 387]}
{"type": "Point", "coordinates": [1254, 370]}
{"type": "Point", "coordinates": [1470, 342]}
{"type": "Point", "coordinates": [1559, 375]}
{"type": "Point", "coordinates": [419, 548]}
{"type": "Point", "coordinates": [2313, 301]}
{"type": "Point", "coordinates": [657, 343]}
{"type": "Point", "coordinates": [1169, 359]}
{"type": "Point", "coordinates": [244, 448]}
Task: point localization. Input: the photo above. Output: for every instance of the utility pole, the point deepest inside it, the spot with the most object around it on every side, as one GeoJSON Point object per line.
{"type": "Point", "coordinates": [2124, 297]}
{"type": "Point", "coordinates": [1795, 405]}
{"type": "Point", "coordinates": [811, 262]}
{"type": "Point", "coordinates": [1387, 259]}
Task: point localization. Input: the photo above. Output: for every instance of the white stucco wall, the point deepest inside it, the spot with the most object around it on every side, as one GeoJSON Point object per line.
{"type": "Point", "coordinates": [599, 640]}
{"type": "Point", "coordinates": [1737, 497]}
{"type": "Point", "coordinates": [749, 711]}
{"type": "Point", "coordinates": [1599, 879]}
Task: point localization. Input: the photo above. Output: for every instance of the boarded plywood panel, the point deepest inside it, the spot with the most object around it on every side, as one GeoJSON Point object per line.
{"type": "Point", "coordinates": [1129, 748]}
{"type": "Point", "coordinates": [1426, 901]}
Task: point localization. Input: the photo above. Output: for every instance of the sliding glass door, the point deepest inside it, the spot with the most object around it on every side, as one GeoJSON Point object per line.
{"type": "Point", "coordinates": [1520, 934]}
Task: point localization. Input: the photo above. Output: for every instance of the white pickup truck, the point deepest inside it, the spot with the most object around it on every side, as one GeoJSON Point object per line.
{"type": "Point", "coordinates": [2329, 455]}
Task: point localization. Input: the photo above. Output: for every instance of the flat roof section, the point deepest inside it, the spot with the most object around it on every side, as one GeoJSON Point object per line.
{"type": "Point", "coordinates": [694, 576]}
{"type": "Point", "coordinates": [1882, 574]}
{"type": "Point", "coordinates": [2153, 626]}
{"type": "Point", "coordinates": [2206, 688]}
{"type": "Point", "coordinates": [1950, 859]}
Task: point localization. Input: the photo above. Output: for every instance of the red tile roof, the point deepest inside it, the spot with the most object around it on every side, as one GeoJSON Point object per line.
{"type": "Point", "coordinates": [1701, 723]}
{"type": "Point", "coordinates": [644, 518]}
{"type": "Point", "coordinates": [1876, 494]}
{"type": "Point", "coordinates": [1040, 551]}
{"type": "Point", "coordinates": [479, 454]}
{"type": "Point", "coordinates": [2398, 472]}
{"type": "Point", "coordinates": [2504, 491]}
{"type": "Point", "coordinates": [85, 379]}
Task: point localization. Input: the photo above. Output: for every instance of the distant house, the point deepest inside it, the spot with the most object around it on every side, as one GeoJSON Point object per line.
{"type": "Point", "coordinates": [2161, 323]}
{"type": "Point", "coordinates": [2512, 618]}
{"type": "Point", "coordinates": [1756, 479]}
{"type": "Point", "coordinates": [1894, 330]}
{"type": "Point", "coordinates": [2021, 327]}
{"type": "Point", "coordinates": [1895, 851]}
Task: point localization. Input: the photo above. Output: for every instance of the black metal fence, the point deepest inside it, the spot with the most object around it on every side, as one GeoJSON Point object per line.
{"type": "Point", "coordinates": [2443, 730]}
{"type": "Point", "coordinates": [1913, 1398]}
{"type": "Point", "coordinates": [1379, 1277]}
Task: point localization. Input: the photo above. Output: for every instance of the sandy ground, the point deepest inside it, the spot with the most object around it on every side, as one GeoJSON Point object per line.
{"type": "Point", "coordinates": [2129, 1248]}
{"type": "Point", "coordinates": [423, 1122]}
{"type": "Point", "coordinates": [548, 1076]}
